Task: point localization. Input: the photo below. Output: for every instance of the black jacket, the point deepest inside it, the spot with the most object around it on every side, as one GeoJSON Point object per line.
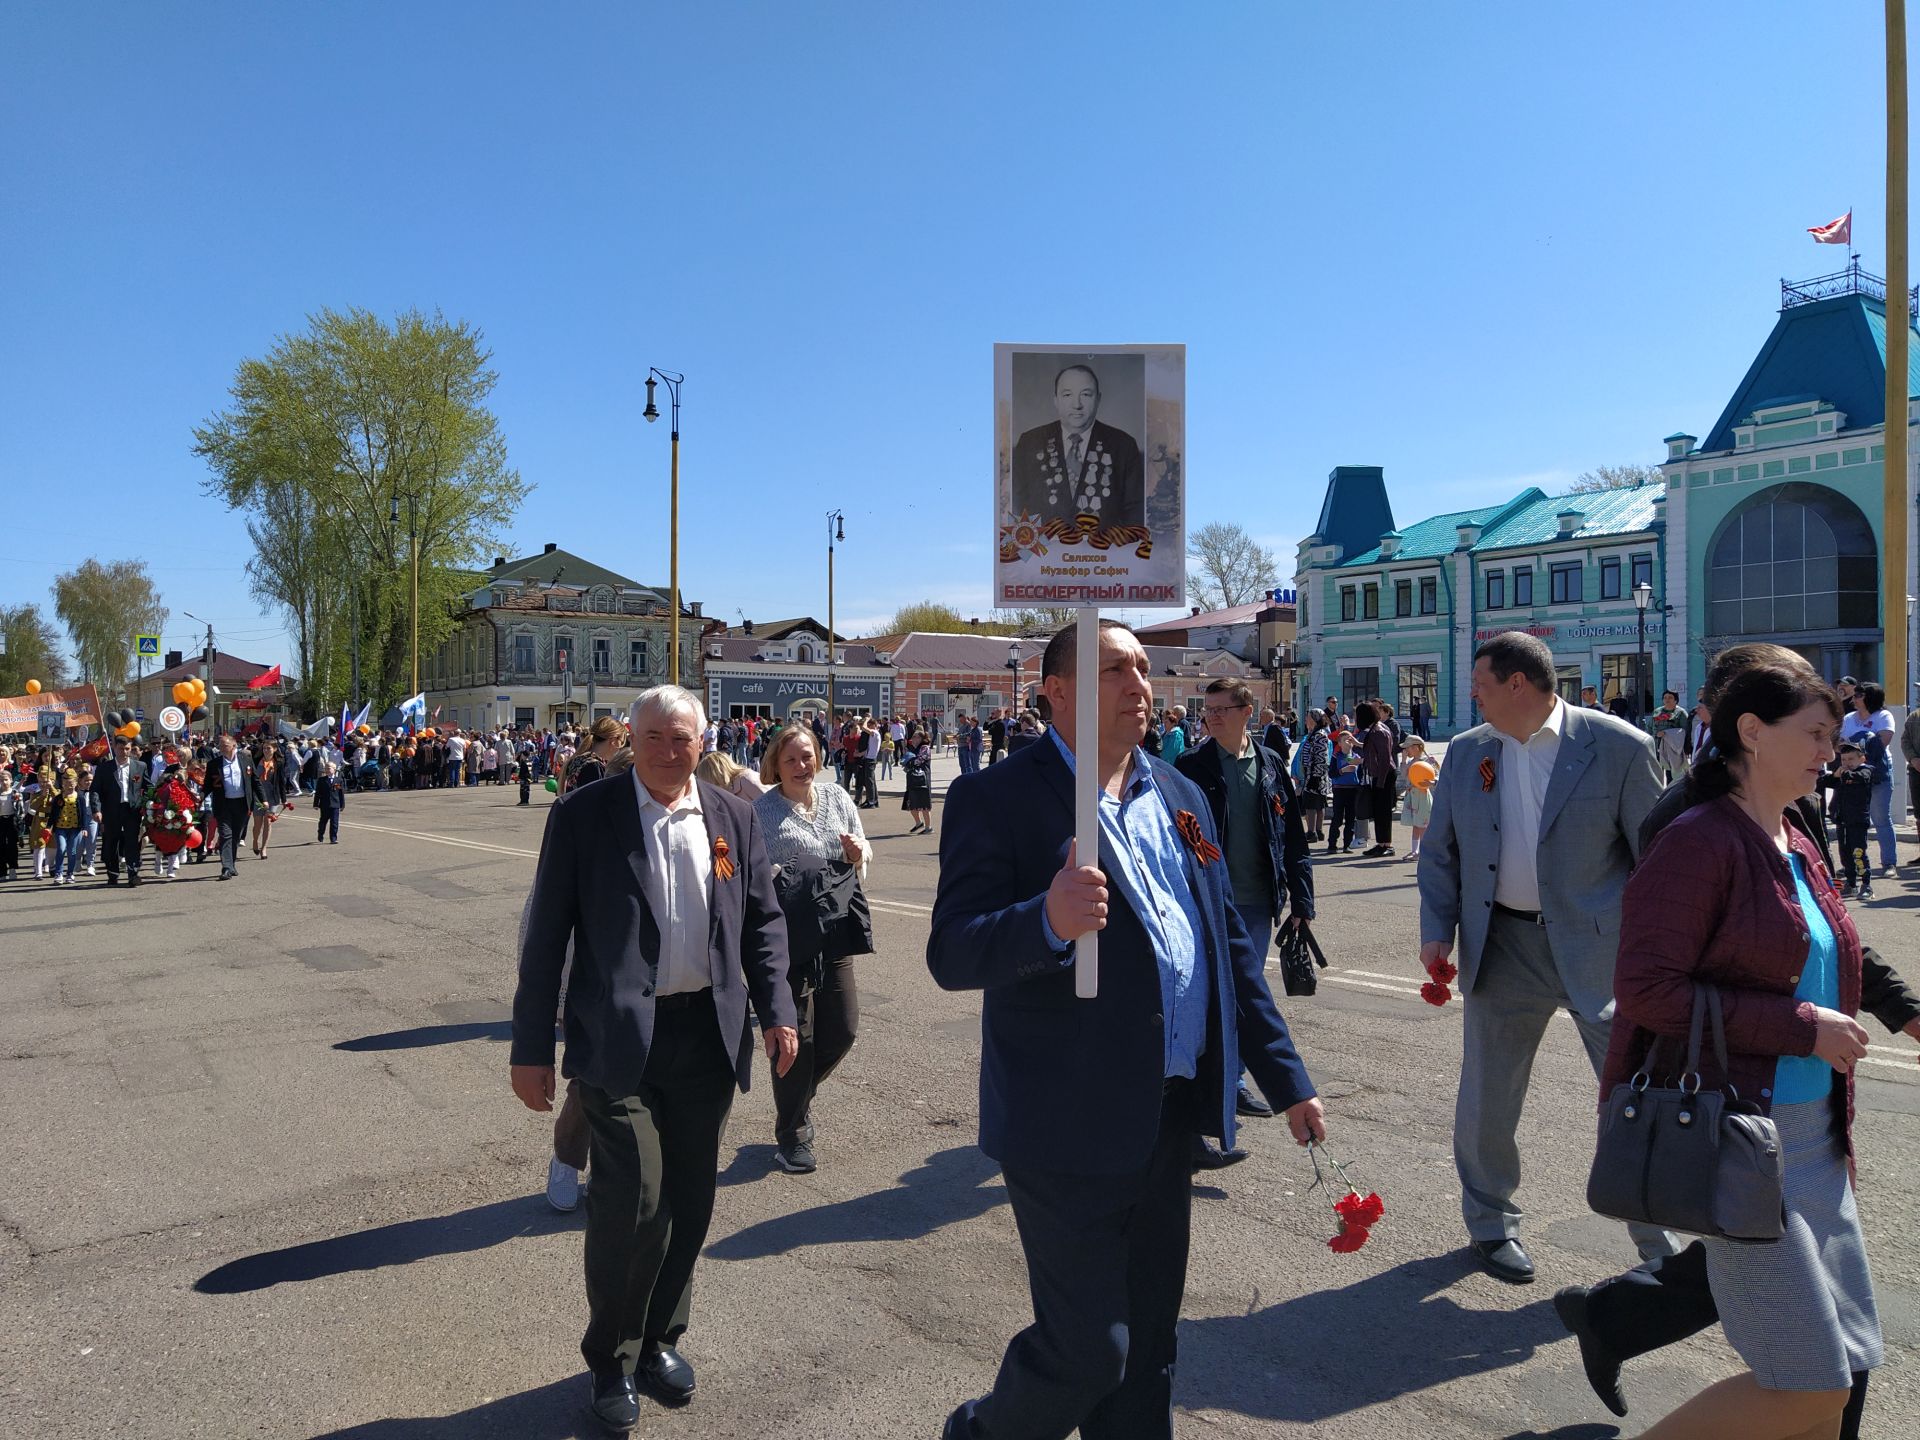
{"type": "Point", "coordinates": [1291, 856]}
{"type": "Point", "coordinates": [827, 917]}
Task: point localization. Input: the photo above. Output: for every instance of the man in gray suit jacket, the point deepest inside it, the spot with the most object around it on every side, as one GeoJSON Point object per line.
{"type": "Point", "coordinates": [663, 887]}
{"type": "Point", "coordinates": [1536, 824]}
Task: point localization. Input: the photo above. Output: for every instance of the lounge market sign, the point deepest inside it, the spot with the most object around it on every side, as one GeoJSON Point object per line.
{"type": "Point", "coordinates": [1604, 630]}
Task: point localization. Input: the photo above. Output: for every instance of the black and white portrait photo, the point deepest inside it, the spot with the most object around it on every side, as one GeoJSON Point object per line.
{"type": "Point", "coordinates": [1079, 419]}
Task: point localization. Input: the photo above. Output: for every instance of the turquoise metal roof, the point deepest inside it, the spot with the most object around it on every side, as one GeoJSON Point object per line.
{"type": "Point", "coordinates": [1607, 512]}
{"type": "Point", "coordinates": [1429, 538]}
{"type": "Point", "coordinates": [1836, 349]}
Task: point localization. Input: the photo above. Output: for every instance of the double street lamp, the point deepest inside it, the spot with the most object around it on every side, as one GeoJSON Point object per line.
{"type": "Point", "coordinates": [673, 382]}
{"type": "Point", "coordinates": [836, 531]}
{"type": "Point", "coordinates": [1642, 597]}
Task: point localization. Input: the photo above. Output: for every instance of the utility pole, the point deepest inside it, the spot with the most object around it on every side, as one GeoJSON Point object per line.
{"type": "Point", "coordinates": [1897, 513]}
{"type": "Point", "coordinates": [355, 592]}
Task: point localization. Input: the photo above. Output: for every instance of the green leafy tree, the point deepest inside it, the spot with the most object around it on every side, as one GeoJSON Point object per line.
{"type": "Point", "coordinates": [929, 617]}
{"type": "Point", "coordinates": [33, 651]}
{"type": "Point", "coordinates": [103, 608]}
{"type": "Point", "coordinates": [336, 443]}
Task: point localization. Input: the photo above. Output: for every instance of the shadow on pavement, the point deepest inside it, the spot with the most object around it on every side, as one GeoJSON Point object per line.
{"type": "Point", "coordinates": [1300, 1360]}
{"type": "Point", "coordinates": [403, 1243]}
{"type": "Point", "coordinates": [951, 1186]}
{"type": "Point", "coordinates": [422, 1036]}
{"type": "Point", "coordinates": [553, 1412]}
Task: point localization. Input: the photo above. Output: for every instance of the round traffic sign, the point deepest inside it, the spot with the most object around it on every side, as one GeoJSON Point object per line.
{"type": "Point", "coordinates": [173, 720]}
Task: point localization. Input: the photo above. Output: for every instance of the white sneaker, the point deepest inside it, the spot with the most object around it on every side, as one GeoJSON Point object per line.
{"type": "Point", "coordinates": [89, 868]}
{"type": "Point", "coordinates": [563, 1186]}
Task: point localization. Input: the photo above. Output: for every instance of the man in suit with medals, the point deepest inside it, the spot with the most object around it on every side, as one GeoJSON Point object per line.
{"type": "Point", "coordinates": [1536, 826]}
{"type": "Point", "coordinates": [663, 887]}
{"type": "Point", "coordinates": [1090, 1106]}
{"type": "Point", "coordinates": [1079, 465]}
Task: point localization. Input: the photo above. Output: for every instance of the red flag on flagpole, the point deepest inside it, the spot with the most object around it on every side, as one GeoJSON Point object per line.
{"type": "Point", "coordinates": [264, 679]}
{"type": "Point", "coordinates": [1834, 232]}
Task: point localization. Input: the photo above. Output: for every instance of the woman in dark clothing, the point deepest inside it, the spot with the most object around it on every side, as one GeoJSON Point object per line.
{"type": "Point", "coordinates": [1381, 775]}
{"type": "Point", "coordinates": [1734, 896]}
{"type": "Point", "coordinates": [268, 796]}
{"type": "Point", "coordinates": [1665, 1301]}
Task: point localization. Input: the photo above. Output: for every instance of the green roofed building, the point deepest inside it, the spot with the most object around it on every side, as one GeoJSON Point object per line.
{"type": "Point", "coordinates": [1400, 617]}
{"type": "Point", "coordinates": [1779, 511]}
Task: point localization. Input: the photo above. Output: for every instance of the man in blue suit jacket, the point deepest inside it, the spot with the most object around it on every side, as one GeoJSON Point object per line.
{"type": "Point", "coordinates": [1090, 1105]}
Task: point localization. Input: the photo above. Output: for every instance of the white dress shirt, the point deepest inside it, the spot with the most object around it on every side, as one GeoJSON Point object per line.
{"type": "Point", "coordinates": [125, 777]}
{"type": "Point", "coordinates": [1525, 767]}
{"type": "Point", "coordinates": [679, 865]}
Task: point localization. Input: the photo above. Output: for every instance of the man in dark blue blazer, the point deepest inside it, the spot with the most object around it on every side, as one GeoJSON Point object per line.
{"type": "Point", "coordinates": [661, 888]}
{"type": "Point", "coordinates": [1090, 1105]}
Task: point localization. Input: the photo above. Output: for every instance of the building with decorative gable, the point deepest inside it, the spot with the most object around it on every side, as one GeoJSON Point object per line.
{"type": "Point", "coordinates": [529, 622]}
{"type": "Point", "coordinates": [1779, 512]}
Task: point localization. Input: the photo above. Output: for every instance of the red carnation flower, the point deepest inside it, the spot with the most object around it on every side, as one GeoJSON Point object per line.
{"type": "Point", "coordinates": [1435, 994]}
{"type": "Point", "coordinates": [1443, 972]}
{"type": "Point", "coordinates": [1348, 1240]}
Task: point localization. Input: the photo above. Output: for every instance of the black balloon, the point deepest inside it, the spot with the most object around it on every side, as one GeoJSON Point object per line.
{"type": "Point", "coordinates": [199, 713]}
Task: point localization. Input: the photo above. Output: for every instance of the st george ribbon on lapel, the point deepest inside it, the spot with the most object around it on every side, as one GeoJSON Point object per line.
{"type": "Point", "coordinates": [1486, 773]}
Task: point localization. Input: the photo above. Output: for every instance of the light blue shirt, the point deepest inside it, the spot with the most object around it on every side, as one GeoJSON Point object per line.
{"type": "Point", "coordinates": [1148, 849]}
{"type": "Point", "coordinates": [1798, 1079]}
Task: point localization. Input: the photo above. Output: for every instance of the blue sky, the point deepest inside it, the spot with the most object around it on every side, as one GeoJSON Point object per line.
{"type": "Point", "coordinates": [1482, 246]}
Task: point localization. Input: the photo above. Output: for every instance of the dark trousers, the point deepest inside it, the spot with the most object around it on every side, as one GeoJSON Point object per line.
{"type": "Point", "coordinates": [1107, 1264]}
{"type": "Point", "coordinates": [1381, 798]}
{"type": "Point", "coordinates": [1664, 1301]}
{"type": "Point", "coordinates": [231, 817]}
{"type": "Point", "coordinates": [829, 1014]}
{"type": "Point", "coordinates": [9, 844]}
{"type": "Point", "coordinates": [1852, 836]}
{"type": "Point", "coordinates": [1346, 804]}
{"type": "Point", "coordinates": [120, 840]}
{"type": "Point", "coordinates": [654, 1156]}
{"type": "Point", "coordinates": [868, 792]}
{"type": "Point", "coordinates": [329, 820]}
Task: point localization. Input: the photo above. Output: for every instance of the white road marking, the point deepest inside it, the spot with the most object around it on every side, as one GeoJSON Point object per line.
{"type": "Point", "coordinates": [447, 840]}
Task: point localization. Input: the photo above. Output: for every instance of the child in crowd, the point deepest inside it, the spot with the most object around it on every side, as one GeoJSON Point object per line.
{"type": "Point", "coordinates": [1852, 787]}
{"type": "Point", "coordinates": [1345, 766]}
{"type": "Point", "coordinates": [1416, 810]}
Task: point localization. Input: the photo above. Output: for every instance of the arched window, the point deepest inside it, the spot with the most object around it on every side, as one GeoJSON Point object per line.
{"type": "Point", "coordinates": [1793, 558]}
{"type": "Point", "coordinates": [804, 654]}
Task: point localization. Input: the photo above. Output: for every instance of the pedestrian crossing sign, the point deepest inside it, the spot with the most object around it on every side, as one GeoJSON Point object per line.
{"type": "Point", "coordinates": [146, 644]}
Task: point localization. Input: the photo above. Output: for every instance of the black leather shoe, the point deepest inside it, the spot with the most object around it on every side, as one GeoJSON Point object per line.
{"type": "Point", "coordinates": [1209, 1156]}
{"type": "Point", "coordinates": [1248, 1103]}
{"type": "Point", "coordinates": [616, 1404]}
{"type": "Point", "coordinates": [1505, 1260]}
{"type": "Point", "coordinates": [1602, 1365]}
{"type": "Point", "coordinates": [667, 1375]}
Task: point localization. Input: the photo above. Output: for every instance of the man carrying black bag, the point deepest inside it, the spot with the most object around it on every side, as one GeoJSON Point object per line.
{"type": "Point", "coordinates": [1257, 815]}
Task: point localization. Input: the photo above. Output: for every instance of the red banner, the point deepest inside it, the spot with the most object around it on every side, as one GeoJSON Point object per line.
{"type": "Point", "coordinates": [22, 712]}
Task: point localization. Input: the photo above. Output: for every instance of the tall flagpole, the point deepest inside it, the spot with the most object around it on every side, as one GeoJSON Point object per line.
{"type": "Point", "coordinates": [1893, 613]}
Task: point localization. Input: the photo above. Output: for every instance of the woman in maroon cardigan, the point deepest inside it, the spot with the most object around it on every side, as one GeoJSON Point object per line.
{"type": "Point", "coordinates": [1732, 896]}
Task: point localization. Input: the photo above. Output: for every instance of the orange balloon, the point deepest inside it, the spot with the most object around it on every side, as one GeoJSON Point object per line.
{"type": "Point", "coordinates": [1422, 773]}
{"type": "Point", "coordinates": [33, 687]}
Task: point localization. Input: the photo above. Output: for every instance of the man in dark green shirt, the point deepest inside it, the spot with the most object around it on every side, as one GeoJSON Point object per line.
{"type": "Point", "coordinates": [1268, 857]}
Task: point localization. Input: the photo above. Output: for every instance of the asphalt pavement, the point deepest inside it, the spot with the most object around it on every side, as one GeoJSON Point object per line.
{"type": "Point", "coordinates": [261, 1175]}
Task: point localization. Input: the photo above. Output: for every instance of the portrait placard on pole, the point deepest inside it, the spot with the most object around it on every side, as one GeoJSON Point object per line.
{"type": "Point", "coordinates": [1089, 509]}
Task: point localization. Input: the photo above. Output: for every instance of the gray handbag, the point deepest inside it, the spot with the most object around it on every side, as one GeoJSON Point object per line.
{"type": "Point", "coordinates": [1699, 1161]}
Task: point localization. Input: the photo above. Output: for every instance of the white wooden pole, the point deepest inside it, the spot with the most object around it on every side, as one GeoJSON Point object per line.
{"type": "Point", "coordinates": [1086, 783]}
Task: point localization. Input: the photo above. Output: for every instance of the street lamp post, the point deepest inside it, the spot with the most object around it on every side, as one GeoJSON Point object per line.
{"type": "Point", "coordinates": [413, 559]}
{"type": "Point", "coordinates": [836, 530]}
{"type": "Point", "coordinates": [673, 382]}
{"type": "Point", "coordinates": [1013, 678]}
{"type": "Point", "coordinates": [1642, 597]}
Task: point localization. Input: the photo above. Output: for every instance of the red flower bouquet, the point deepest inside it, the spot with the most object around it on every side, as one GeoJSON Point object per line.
{"type": "Point", "coordinates": [1357, 1213]}
{"type": "Point", "coordinates": [1440, 974]}
{"type": "Point", "coordinates": [171, 811]}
